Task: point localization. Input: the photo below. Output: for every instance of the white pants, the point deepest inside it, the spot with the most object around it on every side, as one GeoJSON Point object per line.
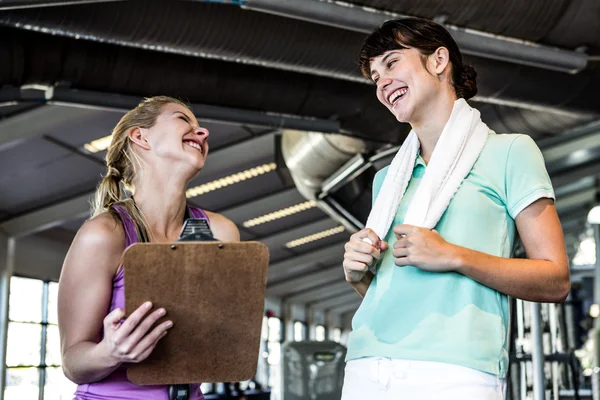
{"type": "Point", "coordinates": [377, 378]}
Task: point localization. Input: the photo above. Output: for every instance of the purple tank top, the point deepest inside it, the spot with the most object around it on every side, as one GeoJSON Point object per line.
{"type": "Point", "coordinates": [116, 386]}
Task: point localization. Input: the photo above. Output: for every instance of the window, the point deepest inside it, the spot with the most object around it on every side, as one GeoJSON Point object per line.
{"type": "Point", "coordinates": [336, 335]}
{"type": "Point", "coordinates": [274, 355]}
{"type": "Point", "coordinates": [207, 388]}
{"type": "Point", "coordinates": [299, 331]}
{"type": "Point", "coordinates": [33, 352]}
{"type": "Point", "coordinates": [320, 333]}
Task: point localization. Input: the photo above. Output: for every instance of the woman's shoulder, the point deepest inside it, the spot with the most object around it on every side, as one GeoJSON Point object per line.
{"type": "Point", "coordinates": [504, 142]}
{"type": "Point", "coordinates": [103, 230]}
{"type": "Point", "coordinates": [97, 249]}
{"type": "Point", "coordinates": [223, 228]}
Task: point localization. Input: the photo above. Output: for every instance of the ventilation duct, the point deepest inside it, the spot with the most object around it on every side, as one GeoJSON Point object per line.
{"type": "Point", "coordinates": [312, 158]}
{"type": "Point", "coordinates": [17, 4]}
{"type": "Point", "coordinates": [472, 42]}
{"type": "Point", "coordinates": [228, 33]}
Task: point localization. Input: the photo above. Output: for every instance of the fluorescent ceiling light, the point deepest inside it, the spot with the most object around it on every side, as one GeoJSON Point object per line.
{"type": "Point", "coordinates": [285, 212]}
{"type": "Point", "coordinates": [230, 180]}
{"type": "Point", "coordinates": [315, 237]}
{"type": "Point", "coordinates": [98, 144]}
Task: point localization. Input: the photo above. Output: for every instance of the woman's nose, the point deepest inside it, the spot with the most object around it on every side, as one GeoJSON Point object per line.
{"type": "Point", "coordinates": [201, 132]}
{"type": "Point", "coordinates": [382, 83]}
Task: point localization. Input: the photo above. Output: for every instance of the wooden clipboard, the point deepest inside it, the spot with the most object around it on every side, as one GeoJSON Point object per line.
{"type": "Point", "coordinates": [214, 293]}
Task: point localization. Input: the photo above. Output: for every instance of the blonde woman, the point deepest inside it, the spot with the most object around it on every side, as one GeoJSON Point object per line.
{"type": "Point", "coordinates": [156, 150]}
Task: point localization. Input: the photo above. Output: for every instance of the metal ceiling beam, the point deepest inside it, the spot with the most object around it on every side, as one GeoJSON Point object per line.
{"type": "Point", "coordinates": [482, 44]}
{"type": "Point", "coordinates": [48, 217]}
{"type": "Point", "coordinates": [575, 174]}
{"type": "Point", "coordinates": [336, 301]}
{"type": "Point", "coordinates": [509, 97]}
{"type": "Point", "coordinates": [260, 203]}
{"type": "Point", "coordinates": [82, 99]}
{"type": "Point", "coordinates": [55, 214]}
{"type": "Point", "coordinates": [203, 111]}
{"type": "Point", "coordinates": [573, 186]}
{"type": "Point", "coordinates": [587, 196]}
{"type": "Point", "coordinates": [575, 226]}
{"type": "Point", "coordinates": [345, 308]}
{"type": "Point", "coordinates": [36, 123]}
{"type": "Point", "coordinates": [306, 281]}
{"type": "Point", "coordinates": [16, 4]}
{"type": "Point", "coordinates": [590, 128]}
{"type": "Point", "coordinates": [32, 123]}
{"type": "Point", "coordinates": [312, 258]}
{"type": "Point", "coordinates": [79, 207]}
{"type": "Point", "coordinates": [572, 142]}
{"type": "Point", "coordinates": [322, 291]}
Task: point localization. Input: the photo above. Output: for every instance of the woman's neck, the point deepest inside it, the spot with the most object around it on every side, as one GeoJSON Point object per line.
{"type": "Point", "coordinates": [162, 203]}
{"type": "Point", "coordinates": [429, 128]}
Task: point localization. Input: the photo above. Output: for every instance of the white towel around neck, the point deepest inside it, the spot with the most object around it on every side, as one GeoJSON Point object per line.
{"type": "Point", "coordinates": [457, 149]}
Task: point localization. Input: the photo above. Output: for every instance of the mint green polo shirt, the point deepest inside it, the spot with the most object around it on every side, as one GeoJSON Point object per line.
{"type": "Point", "coordinates": [447, 317]}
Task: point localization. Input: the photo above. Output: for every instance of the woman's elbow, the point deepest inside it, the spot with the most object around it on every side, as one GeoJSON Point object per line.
{"type": "Point", "coordinates": [563, 288]}
{"type": "Point", "coordinates": [70, 371]}
{"type": "Point", "coordinates": [70, 375]}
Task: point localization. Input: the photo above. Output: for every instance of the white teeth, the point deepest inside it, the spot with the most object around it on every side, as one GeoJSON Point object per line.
{"type": "Point", "coordinates": [194, 145]}
{"type": "Point", "coordinates": [395, 95]}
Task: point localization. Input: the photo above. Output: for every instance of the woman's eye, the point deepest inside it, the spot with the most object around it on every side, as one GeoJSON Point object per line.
{"type": "Point", "coordinates": [184, 118]}
{"type": "Point", "coordinates": [391, 63]}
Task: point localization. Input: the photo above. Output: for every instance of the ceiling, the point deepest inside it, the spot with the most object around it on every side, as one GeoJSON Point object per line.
{"type": "Point", "coordinates": [68, 73]}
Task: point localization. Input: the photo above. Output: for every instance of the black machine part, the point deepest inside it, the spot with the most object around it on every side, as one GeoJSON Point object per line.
{"type": "Point", "coordinates": [196, 230]}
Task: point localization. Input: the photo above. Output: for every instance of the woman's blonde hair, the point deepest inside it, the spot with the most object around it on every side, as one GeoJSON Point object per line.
{"type": "Point", "coordinates": [123, 164]}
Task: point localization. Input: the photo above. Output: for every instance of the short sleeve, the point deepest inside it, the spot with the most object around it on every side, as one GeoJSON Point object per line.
{"type": "Point", "coordinates": [526, 177]}
{"type": "Point", "coordinates": [378, 182]}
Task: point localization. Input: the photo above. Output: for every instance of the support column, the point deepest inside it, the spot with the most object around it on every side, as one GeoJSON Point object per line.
{"type": "Point", "coordinates": [595, 378]}
{"type": "Point", "coordinates": [288, 322]}
{"type": "Point", "coordinates": [310, 322]}
{"type": "Point", "coordinates": [520, 305]}
{"type": "Point", "coordinates": [554, 347]}
{"type": "Point", "coordinates": [329, 325]}
{"type": "Point", "coordinates": [596, 228]}
{"type": "Point", "coordinates": [537, 353]}
{"type": "Point", "coordinates": [7, 262]}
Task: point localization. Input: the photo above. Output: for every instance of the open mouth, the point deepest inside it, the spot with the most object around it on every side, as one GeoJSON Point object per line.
{"type": "Point", "coordinates": [195, 145]}
{"type": "Point", "coordinates": [397, 95]}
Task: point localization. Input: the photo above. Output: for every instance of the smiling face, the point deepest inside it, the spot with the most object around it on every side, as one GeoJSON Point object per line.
{"type": "Point", "coordinates": [405, 83]}
{"type": "Point", "coordinates": [177, 137]}
{"type": "Point", "coordinates": [418, 69]}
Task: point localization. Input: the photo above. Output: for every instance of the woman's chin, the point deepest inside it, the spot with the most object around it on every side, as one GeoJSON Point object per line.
{"type": "Point", "coordinates": [197, 161]}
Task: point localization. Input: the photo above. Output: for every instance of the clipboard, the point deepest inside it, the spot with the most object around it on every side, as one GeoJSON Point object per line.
{"type": "Point", "coordinates": [214, 293]}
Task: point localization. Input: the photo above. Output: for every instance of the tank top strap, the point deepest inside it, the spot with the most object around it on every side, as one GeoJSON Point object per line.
{"type": "Point", "coordinates": [128, 225]}
{"type": "Point", "coordinates": [198, 213]}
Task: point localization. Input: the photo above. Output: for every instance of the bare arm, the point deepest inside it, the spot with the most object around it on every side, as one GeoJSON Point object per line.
{"type": "Point", "coordinates": [84, 296]}
{"type": "Point", "coordinates": [544, 277]}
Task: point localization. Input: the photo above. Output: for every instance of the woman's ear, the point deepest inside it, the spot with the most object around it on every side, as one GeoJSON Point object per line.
{"type": "Point", "coordinates": [440, 60]}
{"type": "Point", "coordinates": [137, 136]}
